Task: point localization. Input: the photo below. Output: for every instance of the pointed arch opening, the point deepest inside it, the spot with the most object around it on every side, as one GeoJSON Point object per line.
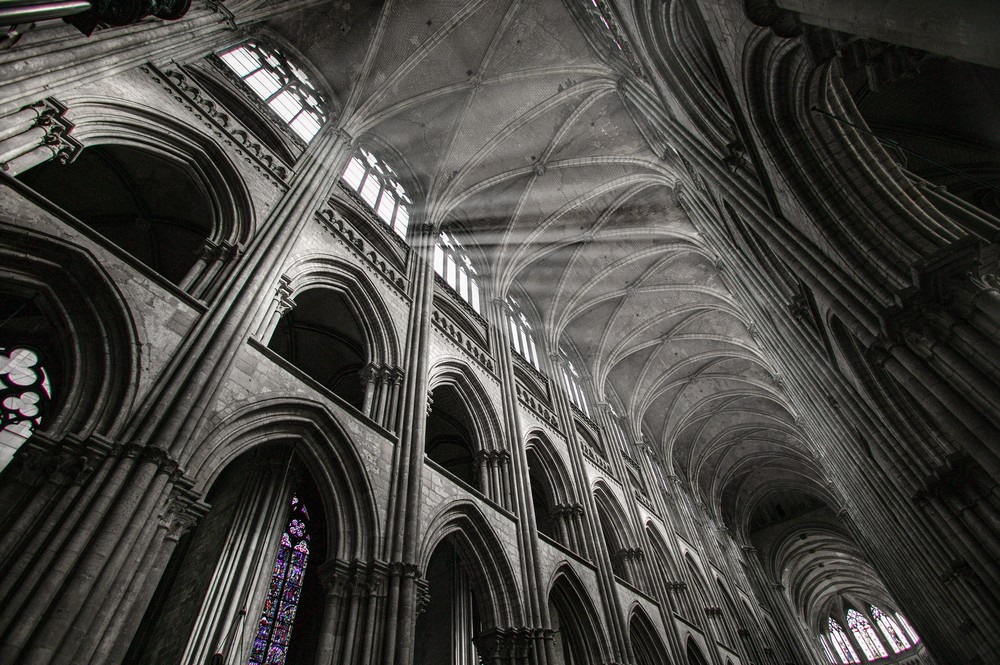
{"type": "Point", "coordinates": [646, 644]}
{"type": "Point", "coordinates": [322, 335]}
{"type": "Point", "coordinates": [577, 632]}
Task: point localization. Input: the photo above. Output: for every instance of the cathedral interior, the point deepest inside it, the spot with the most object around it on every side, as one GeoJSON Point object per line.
{"type": "Point", "coordinates": [499, 332]}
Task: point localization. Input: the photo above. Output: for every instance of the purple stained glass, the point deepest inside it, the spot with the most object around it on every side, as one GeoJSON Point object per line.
{"type": "Point", "coordinates": [278, 614]}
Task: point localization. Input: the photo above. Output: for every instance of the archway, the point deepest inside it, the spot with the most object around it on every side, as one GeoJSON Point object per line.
{"type": "Point", "coordinates": [543, 496]}
{"type": "Point", "coordinates": [574, 622]}
{"type": "Point", "coordinates": [451, 440]}
{"type": "Point", "coordinates": [694, 654]}
{"type": "Point", "coordinates": [646, 644]}
{"type": "Point", "coordinates": [244, 583]}
{"type": "Point", "coordinates": [321, 335]}
{"type": "Point", "coordinates": [150, 205]}
{"type": "Point", "coordinates": [450, 622]}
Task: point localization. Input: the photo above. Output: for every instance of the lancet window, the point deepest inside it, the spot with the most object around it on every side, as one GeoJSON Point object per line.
{"type": "Point", "coordinates": [573, 380]}
{"type": "Point", "coordinates": [282, 86]}
{"type": "Point", "coordinates": [522, 337]}
{"type": "Point", "coordinates": [894, 635]}
{"type": "Point", "coordinates": [865, 635]}
{"type": "Point", "coordinates": [455, 267]}
{"type": "Point", "coordinates": [25, 393]}
{"type": "Point", "coordinates": [274, 630]}
{"type": "Point", "coordinates": [908, 628]}
{"type": "Point", "coordinates": [378, 185]}
{"type": "Point", "coordinates": [842, 644]}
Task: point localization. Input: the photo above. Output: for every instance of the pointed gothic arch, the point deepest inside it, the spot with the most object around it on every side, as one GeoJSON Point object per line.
{"type": "Point", "coordinates": [643, 636]}
{"type": "Point", "coordinates": [551, 491]}
{"type": "Point", "coordinates": [579, 634]}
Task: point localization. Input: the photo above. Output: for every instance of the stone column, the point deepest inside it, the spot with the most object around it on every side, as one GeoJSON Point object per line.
{"type": "Point", "coordinates": [37, 133]}
{"type": "Point", "coordinates": [537, 614]}
{"type": "Point", "coordinates": [405, 488]}
{"type": "Point", "coordinates": [591, 532]}
{"type": "Point", "coordinates": [355, 595]}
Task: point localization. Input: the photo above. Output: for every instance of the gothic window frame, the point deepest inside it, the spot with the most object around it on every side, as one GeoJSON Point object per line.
{"type": "Point", "coordinates": [895, 636]}
{"type": "Point", "coordinates": [865, 636]}
{"type": "Point", "coordinates": [373, 179]}
{"type": "Point", "coordinates": [572, 379]}
{"type": "Point", "coordinates": [283, 86]}
{"type": "Point", "coordinates": [284, 592]}
{"type": "Point", "coordinates": [827, 651]}
{"type": "Point", "coordinates": [522, 336]}
{"type": "Point", "coordinates": [842, 643]}
{"type": "Point", "coordinates": [453, 265]}
{"type": "Point", "coordinates": [914, 638]}
{"type": "Point", "coordinates": [25, 394]}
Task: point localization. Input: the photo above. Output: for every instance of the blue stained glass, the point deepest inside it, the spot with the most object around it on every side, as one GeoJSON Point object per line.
{"type": "Point", "coordinates": [278, 613]}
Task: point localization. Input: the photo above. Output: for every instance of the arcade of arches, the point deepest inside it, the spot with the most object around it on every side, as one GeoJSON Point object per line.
{"type": "Point", "coordinates": [550, 332]}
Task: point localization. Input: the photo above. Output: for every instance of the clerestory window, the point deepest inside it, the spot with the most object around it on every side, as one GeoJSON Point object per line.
{"type": "Point", "coordinates": [894, 635]}
{"type": "Point", "coordinates": [909, 629]}
{"type": "Point", "coordinates": [379, 187]}
{"type": "Point", "coordinates": [842, 644]}
{"type": "Point", "coordinates": [598, 13]}
{"type": "Point", "coordinates": [865, 635]}
{"type": "Point", "coordinates": [455, 267]}
{"type": "Point", "coordinates": [282, 86]}
{"type": "Point", "coordinates": [574, 386]}
{"type": "Point", "coordinates": [522, 337]}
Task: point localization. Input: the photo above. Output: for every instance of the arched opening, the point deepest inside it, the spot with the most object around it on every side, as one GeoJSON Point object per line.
{"type": "Point", "coordinates": [646, 645]}
{"type": "Point", "coordinates": [244, 582]}
{"type": "Point", "coordinates": [148, 204]}
{"type": "Point", "coordinates": [543, 498]}
{"type": "Point", "coordinates": [575, 631]}
{"type": "Point", "coordinates": [612, 519]}
{"type": "Point", "coordinates": [694, 654]}
{"type": "Point", "coordinates": [450, 622]}
{"type": "Point", "coordinates": [451, 435]}
{"type": "Point", "coordinates": [590, 440]}
{"type": "Point", "coordinates": [322, 336]}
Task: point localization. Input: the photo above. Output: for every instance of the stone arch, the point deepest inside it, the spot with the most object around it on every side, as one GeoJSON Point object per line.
{"type": "Point", "coordinates": [695, 655]}
{"type": "Point", "coordinates": [619, 538]}
{"type": "Point", "coordinates": [580, 636]}
{"type": "Point", "coordinates": [96, 345]}
{"type": "Point", "coordinates": [362, 295]}
{"type": "Point", "coordinates": [551, 487]}
{"type": "Point", "coordinates": [646, 644]}
{"type": "Point", "coordinates": [127, 130]}
{"type": "Point", "coordinates": [486, 560]}
{"type": "Point", "coordinates": [323, 443]}
{"type": "Point", "coordinates": [462, 426]}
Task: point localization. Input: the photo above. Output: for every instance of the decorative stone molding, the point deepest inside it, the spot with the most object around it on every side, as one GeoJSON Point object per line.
{"type": "Point", "coordinates": [221, 123]}
{"type": "Point", "coordinates": [461, 340]}
{"type": "Point", "coordinates": [341, 229]}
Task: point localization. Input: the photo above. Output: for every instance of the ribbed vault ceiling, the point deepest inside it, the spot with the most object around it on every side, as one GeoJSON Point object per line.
{"type": "Point", "coordinates": [513, 128]}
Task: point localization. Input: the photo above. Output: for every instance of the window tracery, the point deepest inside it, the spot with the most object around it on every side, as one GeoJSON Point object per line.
{"type": "Point", "coordinates": [282, 86]}
{"type": "Point", "coordinates": [909, 629]}
{"type": "Point", "coordinates": [455, 267]}
{"type": "Point", "coordinates": [865, 635]}
{"type": "Point", "coordinates": [25, 392]}
{"type": "Point", "coordinates": [842, 644]}
{"type": "Point", "coordinates": [894, 635]}
{"type": "Point", "coordinates": [378, 185]}
{"type": "Point", "coordinates": [826, 651]}
{"type": "Point", "coordinates": [521, 335]}
{"type": "Point", "coordinates": [270, 646]}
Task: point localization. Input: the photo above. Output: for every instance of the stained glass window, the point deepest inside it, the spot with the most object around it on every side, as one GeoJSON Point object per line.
{"type": "Point", "coordinates": [909, 629]}
{"type": "Point", "coordinates": [894, 635]}
{"type": "Point", "coordinates": [842, 644]}
{"type": "Point", "coordinates": [455, 267]}
{"type": "Point", "coordinates": [270, 645]}
{"type": "Point", "coordinates": [522, 338]}
{"type": "Point", "coordinates": [285, 88]}
{"type": "Point", "coordinates": [598, 13]}
{"type": "Point", "coordinates": [24, 396]}
{"type": "Point", "coordinates": [380, 189]}
{"type": "Point", "coordinates": [572, 379]}
{"type": "Point", "coordinates": [826, 650]}
{"type": "Point", "coordinates": [865, 635]}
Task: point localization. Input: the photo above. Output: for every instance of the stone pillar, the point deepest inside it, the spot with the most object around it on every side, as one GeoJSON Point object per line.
{"type": "Point", "coordinates": [37, 133]}
{"type": "Point", "coordinates": [963, 29]}
{"type": "Point", "coordinates": [352, 618]}
{"type": "Point", "coordinates": [537, 614]}
{"type": "Point", "coordinates": [402, 537]}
